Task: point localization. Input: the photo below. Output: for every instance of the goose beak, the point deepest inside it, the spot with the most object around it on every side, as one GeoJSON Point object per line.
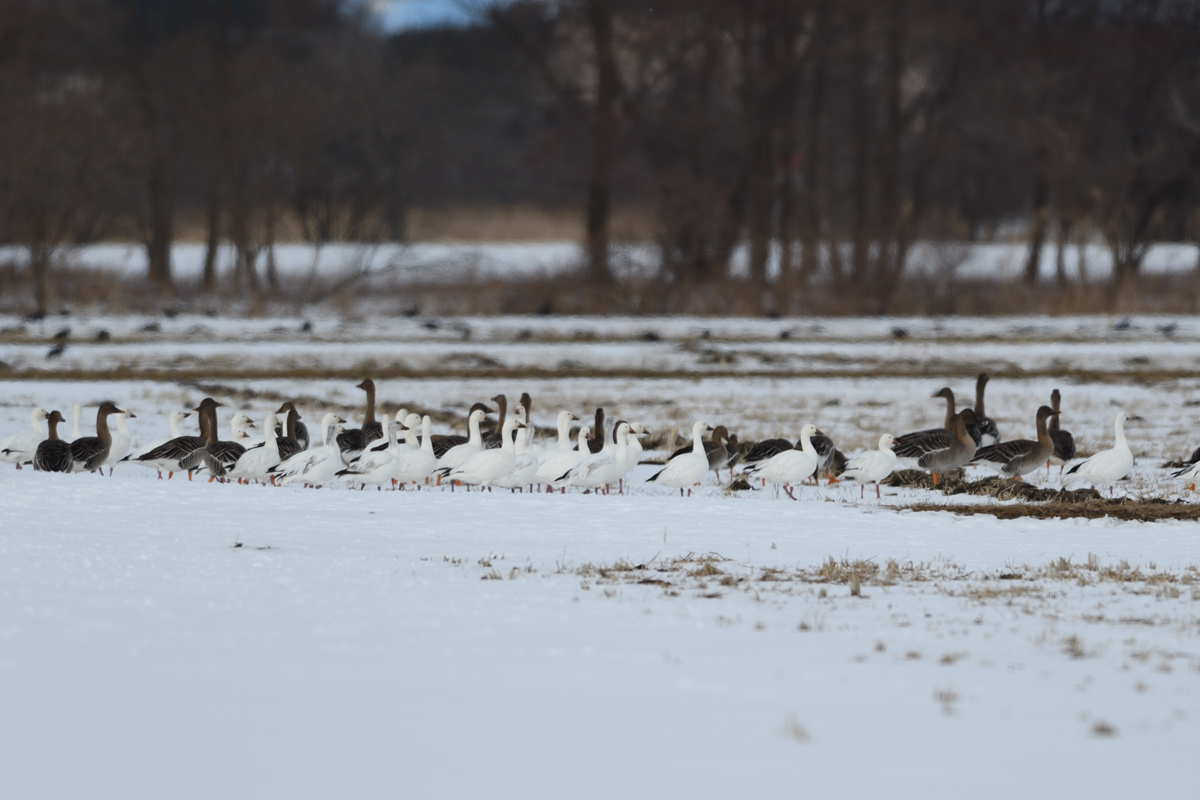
{"type": "Point", "coordinates": [574, 418]}
{"type": "Point", "coordinates": [249, 423]}
{"type": "Point", "coordinates": [341, 421]}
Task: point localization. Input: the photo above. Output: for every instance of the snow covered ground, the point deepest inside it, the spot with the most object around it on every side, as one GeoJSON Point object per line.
{"type": "Point", "coordinates": [455, 261]}
{"type": "Point", "coordinates": [187, 639]}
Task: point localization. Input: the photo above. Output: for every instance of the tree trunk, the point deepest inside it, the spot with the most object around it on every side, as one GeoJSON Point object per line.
{"type": "Point", "coordinates": [1060, 254]}
{"type": "Point", "coordinates": [810, 232]}
{"type": "Point", "coordinates": [212, 241]}
{"type": "Point", "coordinates": [604, 131]}
{"type": "Point", "coordinates": [162, 223]}
{"type": "Point", "coordinates": [860, 152]}
{"type": "Point", "coordinates": [1041, 213]}
{"type": "Point", "coordinates": [39, 270]}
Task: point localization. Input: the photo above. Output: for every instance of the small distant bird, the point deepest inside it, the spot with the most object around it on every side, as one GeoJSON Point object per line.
{"type": "Point", "coordinates": [62, 334]}
{"type": "Point", "coordinates": [56, 351]}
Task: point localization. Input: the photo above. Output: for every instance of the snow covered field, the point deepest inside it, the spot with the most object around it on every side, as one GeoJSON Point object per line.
{"type": "Point", "coordinates": [454, 261]}
{"type": "Point", "coordinates": [167, 638]}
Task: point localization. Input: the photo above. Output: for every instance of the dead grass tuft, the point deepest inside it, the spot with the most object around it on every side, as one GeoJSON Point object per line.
{"type": "Point", "coordinates": [1123, 508]}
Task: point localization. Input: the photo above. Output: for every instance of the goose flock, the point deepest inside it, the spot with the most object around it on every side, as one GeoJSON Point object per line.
{"type": "Point", "coordinates": [401, 451]}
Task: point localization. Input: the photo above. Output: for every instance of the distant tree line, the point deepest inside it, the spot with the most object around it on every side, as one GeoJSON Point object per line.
{"type": "Point", "coordinates": [826, 136]}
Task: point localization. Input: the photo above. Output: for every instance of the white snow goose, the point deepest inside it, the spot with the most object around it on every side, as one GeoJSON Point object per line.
{"type": "Point", "coordinates": [315, 467]}
{"type": "Point", "coordinates": [443, 444]}
{"type": "Point", "coordinates": [376, 467]}
{"type": "Point", "coordinates": [90, 452]}
{"type": "Point", "coordinates": [872, 466]}
{"type": "Point", "coordinates": [525, 467]}
{"type": "Point", "coordinates": [457, 456]}
{"type": "Point", "coordinates": [121, 438]}
{"type": "Point", "coordinates": [77, 421]}
{"type": "Point", "coordinates": [603, 468]}
{"type": "Point", "coordinates": [1064, 442]}
{"type": "Point", "coordinates": [20, 447]}
{"type": "Point", "coordinates": [686, 469]}
{"type": "Point", "coordinates": [416, 463]}
{"type": "Point", "coordinates": [1108, 466]}
{"type": "Point", "coordinates": [715, 449]}
{"type": "Point", "coordinates": [53, 454]}
{"type": "Point", "coordinates": [1016, 457]}
{"type": "Point", "coordinates": [556, 464]}
{"type": "Point", "coordinates": [487, 466]}
{"type": "Point", "coordinates": [255, 463]}
{"type": "Point", "coordinates": [791, 466]}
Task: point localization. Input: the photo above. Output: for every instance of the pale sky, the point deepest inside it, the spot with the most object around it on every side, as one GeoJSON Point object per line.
{"type": "Point", "coordinates": [398, 14]}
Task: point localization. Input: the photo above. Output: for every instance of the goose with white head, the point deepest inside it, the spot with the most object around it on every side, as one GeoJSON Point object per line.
{"type": "Point", "coordinates": [790, 466]}
{"type": "Point", "coordinates": [20, 447]}
{"type": "Point", "coordinates": [317, 466]}
{"type": "Point", "coordinates": [686, 469]}
{"type": "Point", "coordinates": [604, 468]}
{"type": "Point", "coordinates": [487, 466]}
{"type": "Point", "coordinates": [554, 466]}
{"type": "Point", "coordinates": [121, 438]}
{"type": "Point", "coordinates": [416, 463]}
{"type": "Point", "coordinates": [872, 466]}
{"type": "Point", "coordinates": [256, 462]}
{"type": "Point", "coordinates": [1108, 466]}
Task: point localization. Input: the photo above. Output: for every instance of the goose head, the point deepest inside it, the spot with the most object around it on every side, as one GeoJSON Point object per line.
{"type": "Point", "coordinates": [477, 415]}
{"type": "Point", "coordinates": [946, 393]}
{"type": "Point", "coordinates": [807, 432]}
{"type": "Point", "coordinates": [38, 415]}
{"type": "Point", "coordinates": [269, 423]}
{"type": "Point", "coordinates": [239, 424]}
{"type": "Point", "coordinates": [887, 442]}
{"type": "Point", "coordinates": [411, 421]}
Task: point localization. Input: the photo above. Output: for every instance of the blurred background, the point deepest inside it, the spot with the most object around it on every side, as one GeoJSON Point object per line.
{"type": "Point", "coordinates": [746, 157]}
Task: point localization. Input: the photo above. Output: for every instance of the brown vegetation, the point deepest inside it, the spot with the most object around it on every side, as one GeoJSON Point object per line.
{"type": "Point", "coordinates": [825, 137]}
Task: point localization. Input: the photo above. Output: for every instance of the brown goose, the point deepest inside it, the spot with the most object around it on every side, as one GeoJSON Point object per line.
{"type": "Point", "coordinates": [224, 454]}
{"type": "Point", "coordinates": [596, 443]}
{"type": "Point", "coordinates": [53, 454]}
{"type": "Point", "coordinates": [296, 430]}
{"type": "Point", "coordinates": [353, 441]}
{"type": "Point", "coordinates": [444, 444]}
{"type": "Point", "coordinates": [168, 454]}
{"type": "Point", "coordinates": [1018, 456]}
{"type": "Point", "coordinates": [90, 452]}
{"type": "Point", "coordinates": [908, 447]}
{"type": "Point", "coordinates": [940, 450]}
{"type": "Point", "coordinates": [492, 440]}
{"type": "Point", "coordinates": [735, 453]}
{"type": "Point", "coordinates": [988, 432]}
{"type": "Point", "coordinates": [1064, 442]}
{"type": "Point", "coordinates": [286, 433]}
